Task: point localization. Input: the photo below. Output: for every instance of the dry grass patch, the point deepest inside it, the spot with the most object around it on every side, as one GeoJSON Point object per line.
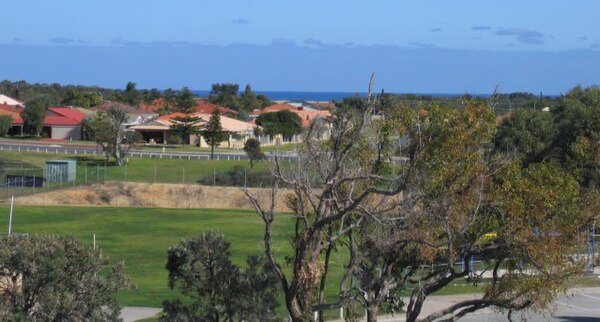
{"type": "Point", "coordinates": [132, 194]}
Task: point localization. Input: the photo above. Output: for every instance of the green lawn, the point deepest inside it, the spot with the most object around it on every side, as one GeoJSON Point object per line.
{"type": "Point", "coordinates": [141, 237]}
{"type": "Point", "coordinates": [91, 169]}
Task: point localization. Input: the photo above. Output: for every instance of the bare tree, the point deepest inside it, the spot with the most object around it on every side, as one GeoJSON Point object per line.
{"type": "Point", "coordinates": [329, 192]}
{"type": "Point", "coordinates": [107, 128]}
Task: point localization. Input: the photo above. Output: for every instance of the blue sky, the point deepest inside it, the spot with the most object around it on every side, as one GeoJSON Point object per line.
{"type": "Point", "coordinates": [417, 46]}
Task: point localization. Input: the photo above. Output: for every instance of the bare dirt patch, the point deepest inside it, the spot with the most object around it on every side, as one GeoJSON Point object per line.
{"type": "Point", "coordinates": [123, 194]}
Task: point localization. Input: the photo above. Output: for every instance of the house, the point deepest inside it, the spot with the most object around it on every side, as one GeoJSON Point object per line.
{"type": "Point", "coordinates": [63, 123]}
{"type": "Point", "coordinates": [159, 130]}
{"type": "Point", "coordinates": [135, 116]}
{"type": "Point", "coordinates": [5, 100]}
{"type": "Point", "coordinates": [60, 123]}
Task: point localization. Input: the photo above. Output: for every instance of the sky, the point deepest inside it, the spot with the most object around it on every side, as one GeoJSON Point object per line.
{"type": "Point", "coordinates": [461, 46]}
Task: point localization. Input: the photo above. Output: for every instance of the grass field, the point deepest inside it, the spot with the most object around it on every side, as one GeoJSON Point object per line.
{"type": "Point", "coordinates": [141, 237]}
{"type": "Point", "coordinates": [92, 169]}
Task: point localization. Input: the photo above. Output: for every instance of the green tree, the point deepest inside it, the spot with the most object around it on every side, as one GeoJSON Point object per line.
{"type": "Point", "coordinates": [249, 101]}
{"type": "Point", "coordinates": [75, 97]}
{"type": "Point", "coordinates": [152, 95]}
{"type": "Point", "coordinates": [131, 95]}
{"type": "Point", "coordinates": [5, 124]}
{"type": "Point", "coordinates": [185, 101]}
{"type": "Point", "coordinates": [185, 126]}
{"type": "Point", "coordinates": [578, 141]}
{"type": "Point", "coordinates": [353, 102]}
{"type": "Point", "coordinates": [217, 289]}
{"type": "Point", "coordinates": [284, 122]}
{"type": "Point", "coordinates": [529, 133]}
{"type": "Point", "coordinates": [107, 129]}
{"type": "Point", "coordinates": [252, 149]}
{"type": "Point", "coordinates": [213, 132]}
{"type": "Point", "coordinates": [33, 116]}
{"type": "Point", "coordinates": [263, 101]}
{"type": "Point", "coordinates": [225, 95]}
{"type": "Point", "coordinates": [51, 278]}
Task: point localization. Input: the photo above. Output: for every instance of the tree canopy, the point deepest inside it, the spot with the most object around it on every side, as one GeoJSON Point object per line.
{"type": "Point", "coordinates": [185, 126]}
{"type": "Point", "coordinates": [225, 95]}
{"type": "Point", "coordinates": [283, 122]}
{"type": "Point", "coordinates": [5, 124]}
{"type": "Point", "coordinates": [50, 278]}
{"type": "Point", "coordinates": [131, 95]}
{"type": "Point", "coordinates": [213, 132]}
{"type": "Point", "coordinates": [185, 101]}
{"type": "Point", "coordinates": [444, 196]}
{"type": "Point", "coordinates": [252, 149]}
{"type": "Point", "coordinates": [216, 289]}
{"type": "Point", "coordinates": [107, 128]}
{"type": "Point", "coordinates": [33, 116]}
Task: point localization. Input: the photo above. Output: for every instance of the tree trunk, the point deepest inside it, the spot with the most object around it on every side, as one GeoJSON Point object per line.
{"type": "Point", "coordinates": [324, 276]}
{"type": "Point", "coordinates": [212, 151]}
{"type": "Point", "coordinates": [372, 310]}
{"type": "Point", "coordinates": [415, 305]}
{"type": "Point", "coordinates": [294, 309]}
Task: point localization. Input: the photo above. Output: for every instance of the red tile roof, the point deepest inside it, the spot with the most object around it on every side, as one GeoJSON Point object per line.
{"type": "Point", "coordinates": [13, 112]}
{"type": "Point", "coordinates": [277, 108]}
{"type": "Point", "coordinates": [207, 108]}
{"type": "Point", "coordinates": [171, 116]}
{"type": "Point", "coordinates": [55, 116]}
{"type": "Point", "coordinates": [64, 116]}
{"type": "Point", "coordinates": [11, 108]}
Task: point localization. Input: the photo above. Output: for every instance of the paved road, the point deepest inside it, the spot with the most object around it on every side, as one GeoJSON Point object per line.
{"type": "Point", "coordinates": [577, 306]}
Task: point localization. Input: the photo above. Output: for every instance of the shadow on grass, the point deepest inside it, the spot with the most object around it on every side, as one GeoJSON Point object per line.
{"type": "Point", "coordinates": [92, 161]}
{"type": "Point", "coordinates": [577, 319]}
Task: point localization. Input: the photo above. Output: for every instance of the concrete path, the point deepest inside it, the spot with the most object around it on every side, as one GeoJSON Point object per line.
{"type": "Point", "coordinates": [130, 313]}
{"type": "Point", "coordinates": [578, 305]}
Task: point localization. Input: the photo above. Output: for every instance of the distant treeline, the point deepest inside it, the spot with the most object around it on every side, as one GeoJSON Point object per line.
{"type": "Point", "coordinates": [230, 96]}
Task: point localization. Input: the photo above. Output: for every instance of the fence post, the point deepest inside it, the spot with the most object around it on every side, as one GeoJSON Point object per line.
{"type": "Point", "coordinates": [154, 173]}
{"type": "Point", "coordinates": [183, 175]}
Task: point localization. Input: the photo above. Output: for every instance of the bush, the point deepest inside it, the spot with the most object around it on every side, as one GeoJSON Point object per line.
{"type": "Point", "coordinates": [5, 124]}
{"type": "Point", "coordinates": [237, 177]}
{"type": "Point", "coordinates": [50, 278]}
{"type": "Point", "coordinates": [217, 289]}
